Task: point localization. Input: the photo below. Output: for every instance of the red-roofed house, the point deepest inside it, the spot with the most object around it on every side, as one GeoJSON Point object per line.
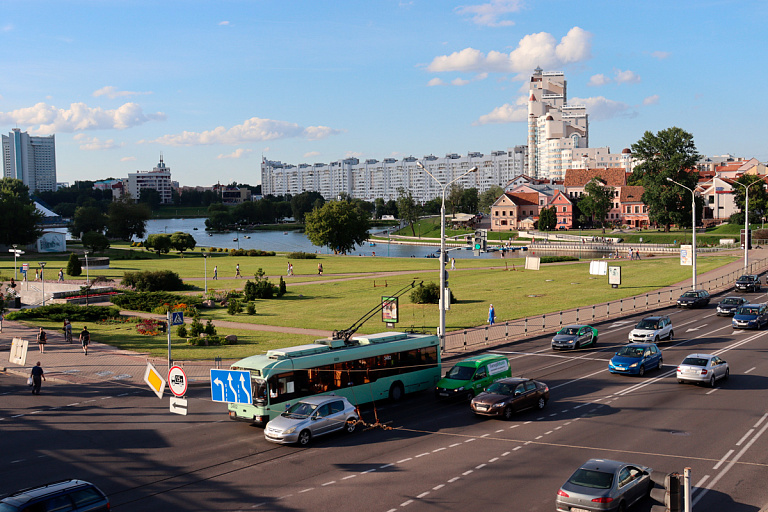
{"type": "Point", "coordinates": [511, 209]}
{"type": "Point", "coordinates": [563, 210]}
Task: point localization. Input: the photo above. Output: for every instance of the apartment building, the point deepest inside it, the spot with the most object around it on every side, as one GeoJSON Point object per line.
{"type": "Point", "coordinates": [30, 159]}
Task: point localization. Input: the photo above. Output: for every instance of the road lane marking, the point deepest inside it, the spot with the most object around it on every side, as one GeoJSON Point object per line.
{"type": "Point", "coordinates": [745, 436]}
{"type": "Point", "coordinates": [761, 420]}
{"type": "Point", "coordinates": [749, 370]}
{"type": "Point", "coordinates": [721, 461]}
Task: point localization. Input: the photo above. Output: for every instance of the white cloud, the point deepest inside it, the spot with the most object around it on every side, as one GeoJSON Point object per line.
{"type": "Point", "coordinates": [251, 130]}
{"type": "Point", "coordinates": [661, 55]}
{"type": "Point", "coordinates": [651, 100]}
{"type": "Point", "coordinates": [489, 14]}
{"type": "Point", "coordinates": [532, 50]}
{"type": "Point", "coordinates": [459, 81]}
{"type": "Point", "coordinates": [42, 119]}
{"type": "Point", "coordinates": [238, 153]}
{"type": "Point", "coordinates": [353, 154]}
{"type": "Point", "coordinates": [128, 159]}
{"type": "Point", "coordinates": [223, 23]}
{"type": "Point", "coordinates": [626, 77]}
{"type": "Point", "coordinates": [506, 113]}
{"type": "Point", "coordinates": [111, 92]}
{"type": "Point", "coordinates": [598, 80]}
{"type": "Point", "coordinates": [600, 108]}
{"type": "Point", "coordinates": [434, 82]}
{"type": "Point", "coordinates": [311, 154]}
{"type": "Point", "coordinates": [94, 143]}
{"type": "Point", "coordinates": [7, 27]}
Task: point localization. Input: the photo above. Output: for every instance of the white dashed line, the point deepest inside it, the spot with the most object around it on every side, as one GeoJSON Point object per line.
{"type": "Point", "coordinates": [404, 460]}
{"type": "Point", "coordinates": [469, 471]}
{"type": "Point", "coordinates": [422, 495]}
{"type": "Point", "coordinates": [725, 457]}
{"type": "Point", "coordinates": [406, 503]}
{"type": "Point", "coordinates": [453, 479]}
{"type": "Point", "coordinates": [306, 490]}
{"type": "Point", "coordinates": [421, 455]}
{"type": "Point", "coordinates": [348, 477]}
{"type": "Point", "coordinates": [329, 483]}
{"type": "Point", "coordinates": [750, 369]}
{"type": "Point", "coordinates": [438, 487]}
{"type": "Point", "coordinates": [744, 438]}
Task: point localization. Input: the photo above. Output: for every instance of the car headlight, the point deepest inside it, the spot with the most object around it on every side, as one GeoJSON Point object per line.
{"type": "Point", "coordinates": [460, 389]}
{"type": "Point", "coordinates": [633, 365]}
{"type": "Point", "coordinates": [290, 430]}
{"type": "Point", "coordinates": [496, 406]}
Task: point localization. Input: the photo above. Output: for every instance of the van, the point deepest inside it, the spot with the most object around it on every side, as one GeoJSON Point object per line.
{"type": "Point", "coordinates": [472, 375]}
{"type": "Point", "coordinates": [71, 495]}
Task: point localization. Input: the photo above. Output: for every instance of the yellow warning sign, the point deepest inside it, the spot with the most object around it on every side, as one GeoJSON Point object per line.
{"type": "Point", "coordinates": [154, 380]}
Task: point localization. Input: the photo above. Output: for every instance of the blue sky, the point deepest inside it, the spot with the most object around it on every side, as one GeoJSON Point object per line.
{"type": "Point", "coordinates": [216, 85]}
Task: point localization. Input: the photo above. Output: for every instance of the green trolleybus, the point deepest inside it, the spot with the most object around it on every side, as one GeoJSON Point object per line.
{"type": "Point", "coordinates": [364, 369]}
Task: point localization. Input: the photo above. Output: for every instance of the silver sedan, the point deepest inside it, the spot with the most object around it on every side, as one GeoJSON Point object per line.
{"type": "Point", "coordinates": [602, 484]}
{"type": "Point", "coordinates": [702, 369]}
{"type": "Point", "coordinates": [310, 417]}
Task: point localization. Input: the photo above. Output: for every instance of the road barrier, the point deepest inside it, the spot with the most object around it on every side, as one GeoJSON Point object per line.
{"type": "Point", "coordinates": [475, 338]}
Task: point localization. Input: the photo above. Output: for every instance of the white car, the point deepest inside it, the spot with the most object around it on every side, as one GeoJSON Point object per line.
{"type": "Point", "coordinates": [702, 369]}
{"type": "Point", "coordinates": [310, 417]}
{"type": "Point", "coordinates": [652, 329]}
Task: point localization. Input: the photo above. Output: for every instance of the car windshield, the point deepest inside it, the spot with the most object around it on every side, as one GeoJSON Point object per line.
{"type": "Point", "coordinates": [299, 410]}
{"type": "Point", "coordinates": [746, 311]}
{"type": "Point", "coordinates": [695, 361]}
{"type": "Point", "coordinates": [732, 301]}
{"type": "Point", "coordinates": [569, 330]}
{"type": "Point", "coordinates": [690, 294]}
{"type": "Point", "coordinates": [647, 324]}
{"type": "Point", "coordinates": [500, 388]}
{"type": "Point", "coordinates": [630, 351]}
{"type": "Point", "coordinates": [593, 479]}
{"type": "Point", "coordinates": [461, 372]}
{"type": "Point", "coordinates": [747, 278]}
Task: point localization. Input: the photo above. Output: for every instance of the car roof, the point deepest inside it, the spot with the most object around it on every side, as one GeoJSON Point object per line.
{"type": "Point", "coordinates": [513, 380]}
{"type": "Point", "coordinates": [320, 399]}
{"type": "Point", "coordinates": [575, 325]}
{"type": "Point", "coordinates": [25, 495]}
{"type": "Point", "coordinates": [641, 345]}
{"type": "Point", "coordinates": [655, 317]}
{"type": "Point", "coordinates": [709, 356]}
{"type": "Point", "coordinates": [732, 297]}
{"type": "Point", "coordinates": [603, 465]}
{"type": "Point", "coordinates": [476, 360]}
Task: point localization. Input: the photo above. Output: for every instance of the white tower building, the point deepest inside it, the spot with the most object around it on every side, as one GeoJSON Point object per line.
{"type": "Point", "coordinates": [30, 159]}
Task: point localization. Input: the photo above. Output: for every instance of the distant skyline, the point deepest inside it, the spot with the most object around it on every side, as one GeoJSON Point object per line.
{"type": "Point", "coordinates": [213, 86]}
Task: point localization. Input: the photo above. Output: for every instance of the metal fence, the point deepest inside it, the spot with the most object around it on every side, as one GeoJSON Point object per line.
{"type": "Point", "coordinates": [475, 338]}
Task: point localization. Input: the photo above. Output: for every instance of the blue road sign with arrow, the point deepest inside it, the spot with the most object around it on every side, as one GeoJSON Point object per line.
{"type": "Point", "coordinates": [231, 386]}
{"type": "Point", "coordinates": [177, 318]}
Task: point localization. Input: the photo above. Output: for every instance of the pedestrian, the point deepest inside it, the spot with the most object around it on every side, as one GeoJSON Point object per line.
{"type": "Point", "coordinates": [38, 375]}
{"type": "Point", "coordinates": [637, 254]}
{"type": "Point", "coordinates": [61, 274]}
{"type": "Point", "coordinates": [491, 315]}
{"type": "Point", "coordinates": [42, 339]}
{"type": "Point", "coordinates": [237, 270]}
{"type": "Point", "coordinates": [216, 272]}
{"type": "Point", "coordinates": [37, 275]}
{"type": "Point", "coordinates": [85, 339]}
{"type": "Point", "coordinates": [2, 315]}
{"type": "Point", "coordinates": [453, 263]}
{"type": "Point", "coordinates": [630, 253]}
{"type": "Point", "coordinates": [290, 269]}
{"type": "Point", "coordinates": [319, 269]}
{"type": "Point", "coordinates": [67, 330]}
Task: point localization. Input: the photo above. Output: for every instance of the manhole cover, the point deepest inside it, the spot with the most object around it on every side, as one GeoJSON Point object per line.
{"type": "Point", "coordinates": [679, 433]}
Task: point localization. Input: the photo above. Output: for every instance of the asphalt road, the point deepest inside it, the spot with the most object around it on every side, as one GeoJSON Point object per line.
{"type": "Point", "coordinates": [422, 455]}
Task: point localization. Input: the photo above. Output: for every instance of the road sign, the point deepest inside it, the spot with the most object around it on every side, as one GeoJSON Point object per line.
{"type": "Point", "coordinates": [154, 380]}
{"type": "Point", "coordinates": [179, 406]}
{"type": "Point", "coordinates": [231, 386]}
{"type": "Point", "coordinates": [177, 318]}
{"type": "Point", "coordinates": [177, 381]}
{"type": "Point", "coordinates": [25, 267]}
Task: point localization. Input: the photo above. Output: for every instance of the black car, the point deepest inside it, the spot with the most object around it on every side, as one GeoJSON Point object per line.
{"type": "Point", "coordinates": [693, 299]}
{"type": "Point", "coordinates": [70, 495]}
{"type": "Point", "coordinates": [507, 396]}
{"type": "Point", "coordinates": [748, 283]}
{"type": "Point", "coordinates": [729, 305]}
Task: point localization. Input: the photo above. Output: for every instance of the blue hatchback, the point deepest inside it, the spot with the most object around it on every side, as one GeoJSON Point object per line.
{"type": "Point", "coordinates": [750, 316]}
{"type": "Point", "coordinates": [636, 358]}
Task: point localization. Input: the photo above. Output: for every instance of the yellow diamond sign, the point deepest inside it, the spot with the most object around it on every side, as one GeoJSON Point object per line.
{"type": "Point", "coordinates": [154, 380]}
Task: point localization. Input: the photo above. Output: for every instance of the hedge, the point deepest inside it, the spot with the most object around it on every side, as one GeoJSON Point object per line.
{"type": "Point", "coordinates": [147, 301]}
{"type": "Point", "coordinates": [60, 312]}
{"type": "Point", "coordinates": [153, 280]}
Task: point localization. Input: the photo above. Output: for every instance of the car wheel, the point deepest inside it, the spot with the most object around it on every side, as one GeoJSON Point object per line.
{"type": "Point", "coordinates": [351, 425]}
{"type": "Point", "coordinates": [396, 392]}
{"type": "Point", "coordinates": [594, 340]}
{"type": "Point", "coordinates": [671, 335]}
{"type": "Point", "coordinates": [679, 381]}
{"type": "Point", "coordinates": [577, 346]}
{"type": "Point", "coordinates": [727, 374]}
{"type": "Point", "coordinates": [470, 395]}
{"type": "Point", "coordinates": [305, 436]}
{"type": "Point", "coordinates": [508, 412]}
{"type": "Point", "coordinates": [541, 403]}
{"type": "Point", "coordinates": [655, 339]}
{"type": "Point", "coordinates": [641, 372]}
{"type": "Point", "coordinates": [622, 507]}
{"type": "Point", "coordinates": [712, 381]}
{"type": "Point", "coordinates": [661, 363]}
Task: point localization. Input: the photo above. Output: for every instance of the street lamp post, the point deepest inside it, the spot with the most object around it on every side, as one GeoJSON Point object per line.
{"type": "Point", "coordinates": [87, 278]}
{"type": "Point", "coordinates": [442, 248]}
{"type": "Point", "coordinates": [746, 220]}
{"type": "Point", "coordinates": [205, 257]}
{"type": "Point", "coordinates": [42, 278]}
{"type": "Point", "coordinates": [693, 242]}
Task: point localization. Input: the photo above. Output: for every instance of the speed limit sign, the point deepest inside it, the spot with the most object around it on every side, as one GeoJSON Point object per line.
{"type": "Point", "coordinates": [177, 381]}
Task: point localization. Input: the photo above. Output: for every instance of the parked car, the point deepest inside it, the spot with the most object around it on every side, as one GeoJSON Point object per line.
{"type": "Point", "coordinates": [652, 329]}
{"type": "Point", "coordinates": [602, 484]}
{"type": "Point", "coordinates": [636, 358]}
{"type": "Point", "coordinates": [574, 337]}
{"type": "Point", "coordinates": [729, 305]}
{"type": "Point", "coordinates": [311, 417]}
{"type": "Point", "coordinates": [71, 495]}
{"type": "Point", "coordinates": [748, 283]}
{"type": "Point", "coordinates": [508, 396]}
{"type": "Point", "coordinates": [702, 369]}
{"type": "Point", "coordinates": [750, 316]}
{"type": "Point", "coordinates": [693, 299]}
{"type": "Point", "coordinates": [472, 375]}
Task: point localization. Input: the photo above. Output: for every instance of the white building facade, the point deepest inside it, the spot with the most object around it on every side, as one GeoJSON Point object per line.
{"type": "Point", "coordinates": [159, 178]}
{"type": "Point", "coordinates": [30, 159]}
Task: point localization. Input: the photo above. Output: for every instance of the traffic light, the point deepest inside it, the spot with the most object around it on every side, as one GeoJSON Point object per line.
{"type": "Point", "coordinates": [477, 242]}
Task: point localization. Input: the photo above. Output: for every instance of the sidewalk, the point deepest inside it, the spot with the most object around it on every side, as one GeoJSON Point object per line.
{"type": "Point", "coordinates": [65, 362]}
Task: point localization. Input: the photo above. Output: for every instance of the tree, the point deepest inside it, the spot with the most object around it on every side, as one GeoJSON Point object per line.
{"type": "Point", "coordinates": [597, 200]}
{"type": "Point", "coordinates": [127, 219]}
{"type": "Point", "coordinates": [74, 268]}
{"type": "Point", "coordinates": [547, 219]}
{"type": "Point", "coordinates": [95, 241]}
{"type": "Point", "coordinates": [487, 198]}
{"type": "Point", "coordinates": [758, 198]}
{"type": "Point", "coordinates": [181, 241]}
{"type": "Point", "coordinates": [150, 197]}
{"type": "Point", "coordinates": [338, 225]}
{"type": "Point", "coordinates": [455, 195]}
{"type": "Point", "coordinates": [304, 203]}
{"type": "Point", "coordinates": [88, 218]}
{"type": "Point", "coordinates": [160, 243]}
{"type": "Point", "coordinates": [470, 200]}
{"type": "Point", "coordinates": [19, 217]}
{"type": "Point", "coordinates": [671, 153]}
{"type": "Point", "coordinates": [407, 209]}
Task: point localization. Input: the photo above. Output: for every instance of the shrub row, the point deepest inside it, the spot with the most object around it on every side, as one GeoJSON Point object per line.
{"type": "Point", "coordinates": [147, 301]}
{"type": "Point", "coordinates": [302, 256]}
{"type": "Point", "coordinates": [250, 252]}
{"type": "Point", "coordinates": [210, 341]}
{"type": "Point", "coordinates": [556, 259]}
{"type": "Point", "coordinates": [153, 280]}
{"type": "Point", "coordinates": [60, 312]}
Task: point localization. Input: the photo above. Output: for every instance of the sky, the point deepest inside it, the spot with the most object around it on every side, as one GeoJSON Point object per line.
{"type": "Point", "coordinates": [214, 86]}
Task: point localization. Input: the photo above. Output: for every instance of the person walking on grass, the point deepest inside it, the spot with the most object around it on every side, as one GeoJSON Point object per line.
{"type": "Point", "coordinates": [61, 275]}
{"type": "Point", "coordinates": [237, 270]}
{"type": "Point", "coordinates": [491, 315]}
{"type": "Point", "coordinates": [216, 272]}
{"type": "Point", "coordinates": [67, 331]}
{"type": "Point", "coordinates": [319, 269]}
{"type": "Point", "coordinates": [85, 339]}
{"type": "Point", "coordinates": [38, 375]}
{"type": "Point", "coordinates": [42, 339]}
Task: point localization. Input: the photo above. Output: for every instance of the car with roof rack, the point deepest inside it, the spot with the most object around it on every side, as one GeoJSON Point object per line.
{"type": "Point", "coordinates": [72, 495]}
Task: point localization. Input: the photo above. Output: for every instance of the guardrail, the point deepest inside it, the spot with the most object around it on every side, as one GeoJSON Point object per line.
{"type": "Point", "coordinates": [474, 338]}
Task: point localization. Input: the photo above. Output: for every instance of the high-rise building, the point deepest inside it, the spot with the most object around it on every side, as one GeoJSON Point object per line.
{"type": "Point", "coordinates": [30, 159]}
{"type": "Point", "coordinates": [158, 179]}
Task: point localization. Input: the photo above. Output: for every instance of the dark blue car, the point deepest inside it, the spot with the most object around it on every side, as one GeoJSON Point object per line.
{"type": "Point", "coordinates": [636, 359]}
{"type": "Point", "coordinates": [750, 316]}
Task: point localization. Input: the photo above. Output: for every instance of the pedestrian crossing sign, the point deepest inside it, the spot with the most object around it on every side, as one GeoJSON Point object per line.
{"type": "Point", "coordinates": [177, 318]}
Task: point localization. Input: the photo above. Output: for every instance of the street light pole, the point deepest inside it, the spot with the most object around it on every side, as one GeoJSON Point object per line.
{"type": "Point", "coordinates": [746, 220]}
{"type": "Point", "coordinates": [693, 238]}
{"type": "Point", "coordinates": [442, 248]}
{"type": "Point", "coordinates": [87, 278]}
{"type": "Point", "coordinates": [205, 257]}
{"type": "Point", "coordinates": [15, 253]}
{"type": "Point", "coordinates": [42, 278]}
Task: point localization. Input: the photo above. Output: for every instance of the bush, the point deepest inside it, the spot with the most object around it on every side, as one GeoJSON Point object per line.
{"type": "Point", "coordinates": [556, 259]}
{"type": "Point", "coordinates": [250, 308]}
{"type": "Point", "coordinates": [73, 266]}
{"type": "Point", "coordinates": [428, 294]}
{"type": "Point", "coordinates": [147, 301]}
{"type": "Point", "coordinates": [234, 307]}
{"type": "Point", "coordinates": [58, 312]}
{"type": "Point", "coordinates": [281, 288]}
{"type": "Point", "coordinates": [181, 331]}
{"type": "Point", "coordinates": [95, 241]}
{"type": "Point", "coordinates": [301, 256]}
{"type": "Point", "coordinates": [148, 327]}
{"type": "Point", "coordinates": [196, 328]}
{"type": "Point", "coordinates": [153, 280]}
{"type": "Point", "coordinates": [261, 288]}
{"type": "Point", "coordinates": [210, 330]}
